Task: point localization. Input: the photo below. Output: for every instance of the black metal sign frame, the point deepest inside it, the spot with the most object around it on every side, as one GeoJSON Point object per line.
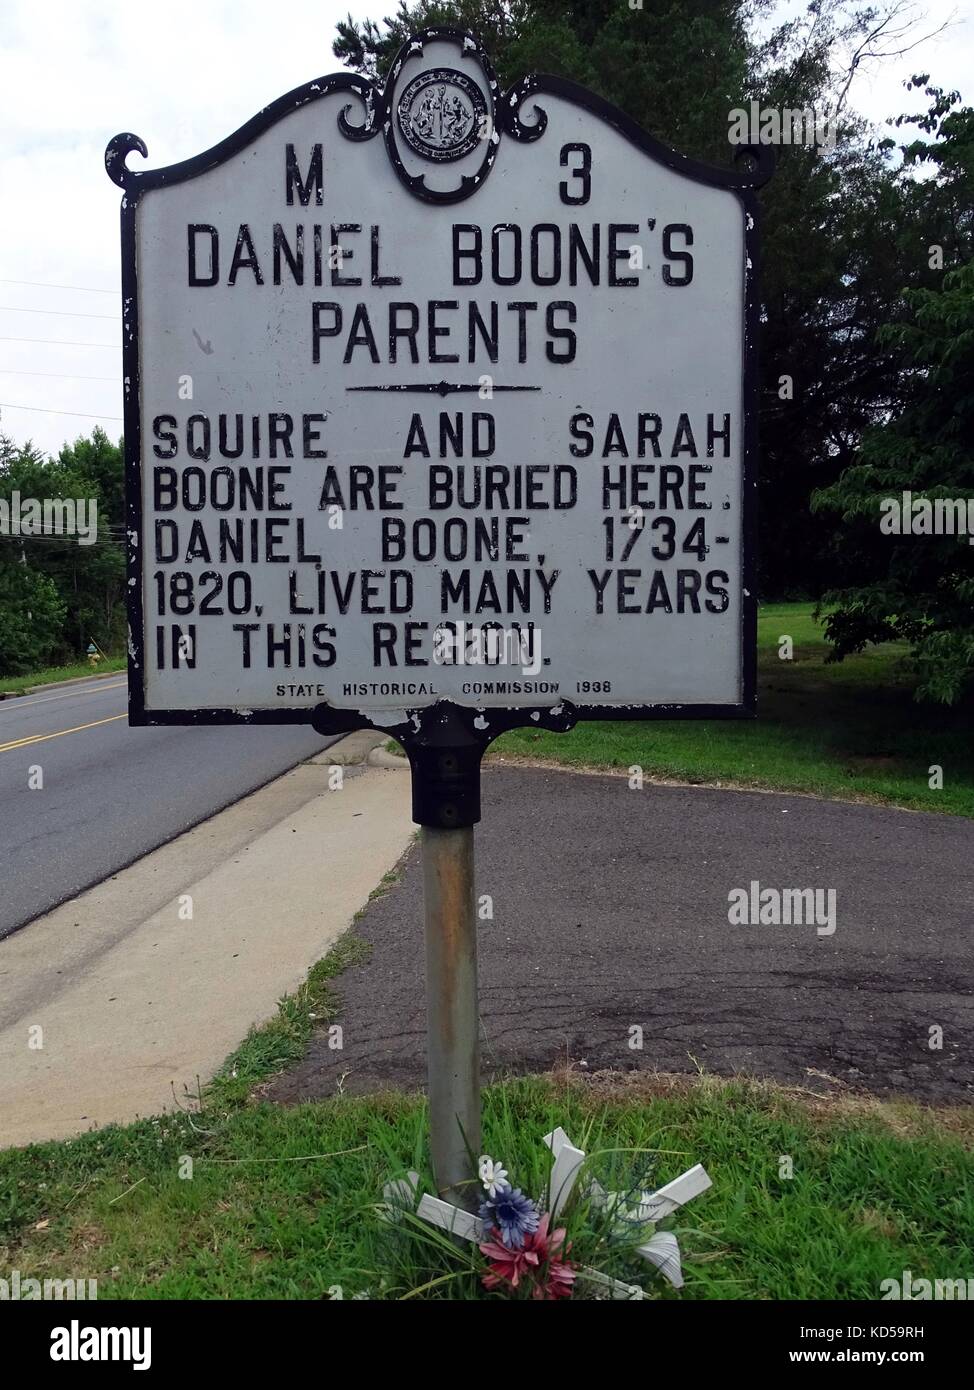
{"type": "Point", "coordinates": [445, 725]}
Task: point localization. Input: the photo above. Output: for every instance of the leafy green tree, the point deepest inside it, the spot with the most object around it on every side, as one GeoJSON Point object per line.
{"type": "Point", "coordinates": [92, 578]}
{"type": "Point", "coordinates": [31, 618]}
{"type": "Point", "coordinates": [923, 589]}
{"type": "Point", "coordinates": [87, 581]}
{"type": "Point", "coordinates": [919, 588]}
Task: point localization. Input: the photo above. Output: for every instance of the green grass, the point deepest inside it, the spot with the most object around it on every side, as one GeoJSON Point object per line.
{"type": "Point", "coordinates": [281, 1201]}
{"type": "Point", "coordinates": [849, 729]}
{"type": "Point", "coordinates": [18, 684]}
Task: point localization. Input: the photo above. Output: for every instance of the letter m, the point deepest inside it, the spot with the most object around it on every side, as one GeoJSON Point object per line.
{"type": "Point", "coordinates": [797, 907]}
{"type": "Point", "coordinates": [59, 1289]}
{"type": "Point", "coordinates": [295, 183]}
{"type": "Point", "coordinates": [59, 516]}
{"type": "Point", "coordinates": [950, 1288]}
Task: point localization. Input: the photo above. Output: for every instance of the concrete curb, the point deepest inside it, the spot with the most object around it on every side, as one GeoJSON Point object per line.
{"type": "Point", "coordinates": [365, 746]}
{"type": "Point", "coordinates": [380, 757]}
{"type": "Point", "coordinates": [350, 751]}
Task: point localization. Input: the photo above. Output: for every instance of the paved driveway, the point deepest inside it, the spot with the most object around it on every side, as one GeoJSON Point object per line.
{"type": "Point", "coordinates": [610, 913]}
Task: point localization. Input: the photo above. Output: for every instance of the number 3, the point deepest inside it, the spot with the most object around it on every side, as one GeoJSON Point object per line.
{"type": "Point", "coordinates": [583, 172]}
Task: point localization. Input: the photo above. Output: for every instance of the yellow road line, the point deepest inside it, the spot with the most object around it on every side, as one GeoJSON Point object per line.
{"type": "Point", "coordinates": [29, 701]}
{"type": "Point", "coordinates": [41, 738]}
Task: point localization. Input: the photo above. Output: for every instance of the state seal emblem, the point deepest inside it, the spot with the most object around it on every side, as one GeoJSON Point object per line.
{"type": "Point", "coordinates": [443, 115]}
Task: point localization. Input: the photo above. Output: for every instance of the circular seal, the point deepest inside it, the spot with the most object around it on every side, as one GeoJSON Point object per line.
{"type": "Point", "coordinates": [442, 114]}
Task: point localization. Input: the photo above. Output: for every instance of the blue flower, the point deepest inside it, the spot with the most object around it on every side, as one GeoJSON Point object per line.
{"type": "Point", "coordinates": [512, 1213]}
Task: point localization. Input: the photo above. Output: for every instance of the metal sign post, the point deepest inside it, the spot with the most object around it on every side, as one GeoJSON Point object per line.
{"type": "Point", "coordinates": [445, 757]}
{"type": "Point", "coordinates": [440, 419]}
{"type": "Point", "coordinates": [452, 1010]}
{"type": "Point", "coordinates": [446, 803]}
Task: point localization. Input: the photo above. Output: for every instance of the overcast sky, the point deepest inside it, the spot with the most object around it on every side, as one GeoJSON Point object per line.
{"type": "Point", "coordinates": [183, 74]}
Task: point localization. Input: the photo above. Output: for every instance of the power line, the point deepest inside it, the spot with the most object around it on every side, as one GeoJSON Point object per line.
{"type": "Point", "coordinates": [46, 285]}
{"type": "Point", "coordinates": [68, 376]}
{"type": "Point", "coordinates": [9, 405]}
{"type": "Point", "coordinates": [59, 313]}
{"type": "Point", "coordinates": [113, 530]}
{"type": "Point", "coordinates": [110, 533]}
{"type": "Point", "coordinates": [106, 531]}
{"type": "Point", "coordinates": [48, 536]}
{"type": "Point", "coordinates": [43, 535]}
{"type": "Point", "coordinates": [61, 342]}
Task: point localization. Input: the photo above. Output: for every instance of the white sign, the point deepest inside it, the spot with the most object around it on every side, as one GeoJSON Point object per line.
{"type": "Point", "coordinates": [437, 394]}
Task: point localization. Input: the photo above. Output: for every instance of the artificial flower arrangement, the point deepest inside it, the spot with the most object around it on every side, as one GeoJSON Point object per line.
{"type": "Point", "coordinates": [521, 1247]}
{"type": "Point", "coordinates": [526, 1250]}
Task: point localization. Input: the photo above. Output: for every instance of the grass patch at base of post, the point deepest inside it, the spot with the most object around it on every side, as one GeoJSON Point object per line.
{"type": "Point", "coordinates": [280, 1202]}
{"type": "Point", "coordinates": [848, 730]}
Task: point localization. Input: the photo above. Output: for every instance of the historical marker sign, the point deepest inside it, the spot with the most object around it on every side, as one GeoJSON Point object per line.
{"type": "Point", "coordinates": [439, 394]}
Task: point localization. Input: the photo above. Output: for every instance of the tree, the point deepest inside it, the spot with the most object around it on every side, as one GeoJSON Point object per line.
{"type": "Point", "coordinates": [924, 589]}
{"type": "Point", "coordinates": [920, 587]}
{"type": "Point", "coordinates": [31, 618]}
{"type": "Point", "coordinates": [87, 582]}
{"type": "Point", "coordinates": [92, 578]}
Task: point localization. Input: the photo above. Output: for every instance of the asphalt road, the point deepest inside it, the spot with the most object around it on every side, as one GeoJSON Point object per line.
{"type": "Point", "coordinates": [110, 793]}
{"type": "Point", "coordinates": [610, 912]}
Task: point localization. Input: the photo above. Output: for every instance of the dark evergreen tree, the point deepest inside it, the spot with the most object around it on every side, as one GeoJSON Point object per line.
{"type": "Point", "coordinates": [920, 587]}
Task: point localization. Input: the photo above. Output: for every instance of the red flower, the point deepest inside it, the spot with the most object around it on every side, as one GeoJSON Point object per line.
{"type": "Point", "coordinates": [541, 1261]}
{"type": "Point", "coordinates": [508, 1266]}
